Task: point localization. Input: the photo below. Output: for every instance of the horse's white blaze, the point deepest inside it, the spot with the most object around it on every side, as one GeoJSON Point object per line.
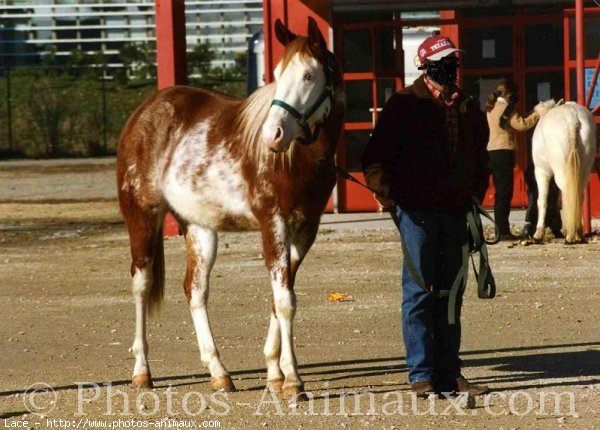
{"type": "Point", "coordinates": [203, 186]}
{"type": "Point", "coordinates": [294, 89]}
{"type": "Point", "coordinates": [140, 286]}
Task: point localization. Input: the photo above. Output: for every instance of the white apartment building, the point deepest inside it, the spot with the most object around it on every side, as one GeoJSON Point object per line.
{"type": "Point", "coordinates": [30, 28]}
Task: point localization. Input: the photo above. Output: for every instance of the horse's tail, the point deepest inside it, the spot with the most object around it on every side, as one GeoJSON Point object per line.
{"type": "Point", "coordinates": [573, 188]}
{"type": "Point", "coordinates": [157, 289]}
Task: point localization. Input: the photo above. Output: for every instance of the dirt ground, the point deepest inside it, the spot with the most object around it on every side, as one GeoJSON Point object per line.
{"type": "Point", "coordinates": [67, 323]}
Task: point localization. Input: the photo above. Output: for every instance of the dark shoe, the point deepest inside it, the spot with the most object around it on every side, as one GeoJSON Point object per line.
{"type": "Point", "coordinates": [422, 389]}
{"type": "Point", "coordinates": [508, 237]}
{"type": "Point", "coordinates": [464, 386]}
{"type": "Point", "coordinates": [528, 230]}
{"type": "Point", "coordinates": [557, 234]}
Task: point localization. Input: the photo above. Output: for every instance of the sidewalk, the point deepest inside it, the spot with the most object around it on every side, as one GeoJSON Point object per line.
{"type": "Point", "coordinates": [372, 221]}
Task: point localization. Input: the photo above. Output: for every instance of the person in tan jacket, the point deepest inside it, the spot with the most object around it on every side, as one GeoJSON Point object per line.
{"type": "Point", "coordinates": [504, 123]}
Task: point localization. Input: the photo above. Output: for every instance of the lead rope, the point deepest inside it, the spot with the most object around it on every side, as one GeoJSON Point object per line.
{"type": "Point", "coordinates": [475, 242]}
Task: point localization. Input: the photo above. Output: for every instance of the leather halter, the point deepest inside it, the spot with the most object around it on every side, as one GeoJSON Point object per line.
{"type": "Point", "coordinates": [302, 119]}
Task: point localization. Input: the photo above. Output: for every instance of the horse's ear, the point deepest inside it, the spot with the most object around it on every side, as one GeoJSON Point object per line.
{"type": "Point", "coordinates": [284, 35]}
{"type": "Point", "coordinates": [314, 34]}
{"type": "Point", "coordinates": [560, 102]}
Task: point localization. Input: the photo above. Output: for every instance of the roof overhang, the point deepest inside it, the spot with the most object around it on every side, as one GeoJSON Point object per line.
{"type": "Point", "coordinates": [415, 5]}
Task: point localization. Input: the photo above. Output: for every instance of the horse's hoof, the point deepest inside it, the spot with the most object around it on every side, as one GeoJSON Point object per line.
{"type": "Point", "coordinates": [275, 385]}
{"type": "Point", "coordinates": [222, 383]}
{"type": "Point", "coordinates": [142, 381]}
{"type": "Point", "coordinates": [294, 393]}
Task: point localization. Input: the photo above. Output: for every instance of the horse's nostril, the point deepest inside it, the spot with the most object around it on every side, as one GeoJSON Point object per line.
{"type": "Point", "coordinates": [278, 134]}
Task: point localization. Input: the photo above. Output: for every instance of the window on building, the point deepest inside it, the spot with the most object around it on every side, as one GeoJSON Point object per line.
{"type": "Point", "coordinates": [487, 46]}
{"type": "Point", "coordinates": [357, 51]}
{"type": "Point", "coordinates": [591, 28]}
{"type": "Point", "coordinates": [543, 45]}
{"type": "Point", "coordinates": [359, 101]}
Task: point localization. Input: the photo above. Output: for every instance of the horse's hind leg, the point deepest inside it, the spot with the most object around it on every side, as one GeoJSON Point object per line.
{"type": "Point", "coordinates": [147, 270]}
{"type": "Point", "coordinates": [201, 252]}
{"type": "Point", "coordinates": [542, 178]}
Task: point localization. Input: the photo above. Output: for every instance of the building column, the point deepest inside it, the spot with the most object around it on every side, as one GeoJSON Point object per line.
{"type": "Point", "coordinates": [171, 61]}
{"type": "Point", "coordinates": [170, 43]}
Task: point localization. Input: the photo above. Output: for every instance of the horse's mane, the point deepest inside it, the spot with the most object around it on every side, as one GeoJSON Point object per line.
{"type": "Point", "coordinates": [250, 118]}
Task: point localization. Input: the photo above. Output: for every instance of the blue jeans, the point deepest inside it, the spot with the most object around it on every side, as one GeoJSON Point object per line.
{"type": "Point", "coordinates": [434, 242]}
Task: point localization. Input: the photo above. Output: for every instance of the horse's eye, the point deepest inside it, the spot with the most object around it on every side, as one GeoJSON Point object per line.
{"type": "Point", "coordinates": [308, 77]}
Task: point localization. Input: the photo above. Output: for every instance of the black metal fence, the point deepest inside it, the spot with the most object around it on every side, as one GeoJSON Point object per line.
{"type": "Point", "coordinates": [46, 113]}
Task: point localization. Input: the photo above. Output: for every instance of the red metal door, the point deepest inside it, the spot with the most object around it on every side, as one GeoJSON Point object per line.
{"type": "Point", "coordinates": [372, 60]}
{"type": "Point", "coordinates": [591, 64]}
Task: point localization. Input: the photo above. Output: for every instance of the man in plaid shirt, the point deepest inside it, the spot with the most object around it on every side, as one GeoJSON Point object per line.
{"type": "Point", "coordinates": [427, 159]}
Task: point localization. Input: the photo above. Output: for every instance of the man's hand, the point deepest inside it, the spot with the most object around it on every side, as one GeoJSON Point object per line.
{"type": "Point", "coordinates": [385, 203]}
{"type": "Point", "coordinates": [375, 180]}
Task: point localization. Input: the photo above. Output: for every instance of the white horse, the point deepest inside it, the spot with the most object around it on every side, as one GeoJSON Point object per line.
{"type": "Point", "coordinates": [564, 146]}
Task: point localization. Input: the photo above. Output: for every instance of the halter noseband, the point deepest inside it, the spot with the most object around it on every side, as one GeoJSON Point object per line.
{"type": "Point", "coordinates": [302, 119]}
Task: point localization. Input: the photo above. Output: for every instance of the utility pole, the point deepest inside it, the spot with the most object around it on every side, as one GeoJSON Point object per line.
{"type": "Point", "coordinates": [9, 110]}
{"type": "Point", "coordinates": [104, 139]}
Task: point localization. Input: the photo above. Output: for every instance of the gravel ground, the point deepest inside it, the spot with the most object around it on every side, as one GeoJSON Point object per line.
{"type": "Point", "coordinates": [68, 320]}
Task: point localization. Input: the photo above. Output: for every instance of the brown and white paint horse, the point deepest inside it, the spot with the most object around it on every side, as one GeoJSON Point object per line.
{"type": "Point", "coordinates": [220, 163]}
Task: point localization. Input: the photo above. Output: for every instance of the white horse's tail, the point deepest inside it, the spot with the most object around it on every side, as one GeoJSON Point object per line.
{"type": "Point", "coordinates": [573, 189]}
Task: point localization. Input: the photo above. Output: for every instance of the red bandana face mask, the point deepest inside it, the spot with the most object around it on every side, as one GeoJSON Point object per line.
{"type": "Point", "coordinates": [444, 71]}
{"type": "Point", "coordinates": [449, 93]}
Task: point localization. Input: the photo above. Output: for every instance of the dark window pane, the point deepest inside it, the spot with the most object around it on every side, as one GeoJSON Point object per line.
{"type": "Point", "coordinates": [114, 45]}
{"type": "Point", "coordinates": [591, 37]}
{"type": "Point", "coordinates": [385, 53]}
{"type": "Point", "coordinates": [357, 51]}
{"type": "Point", "coordinates": [543, 45]}
{"type": "Point", "coordinates": [359, 101]}
{"type": "Point", "coordinates": [543, 86]}
{"type": "Point", "coordinates": [385, 89]}
{"type": "Point", "coordinates": [487, 47]}
{"type": "Point", "coordinates": [363, 16]}
{"type": "Point", "coordinates": [543, 10]}
{"type": "Point", "coordinates": [355, 144]}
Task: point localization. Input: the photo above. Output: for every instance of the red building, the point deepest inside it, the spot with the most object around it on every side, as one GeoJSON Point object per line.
{"type": "Point", "coordinates": [534, 42]}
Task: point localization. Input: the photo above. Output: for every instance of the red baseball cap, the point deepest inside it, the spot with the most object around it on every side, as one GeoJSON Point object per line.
{"type": "Point", "coordinates": [436, 47]}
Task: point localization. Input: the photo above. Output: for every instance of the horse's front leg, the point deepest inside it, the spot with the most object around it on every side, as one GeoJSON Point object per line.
{"type": "Point", "coordinates": [272, 352]}
{"type": "Point", "coordinates": [201, 252]}
{"type": "Point", "coordinates": [282, 260]}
